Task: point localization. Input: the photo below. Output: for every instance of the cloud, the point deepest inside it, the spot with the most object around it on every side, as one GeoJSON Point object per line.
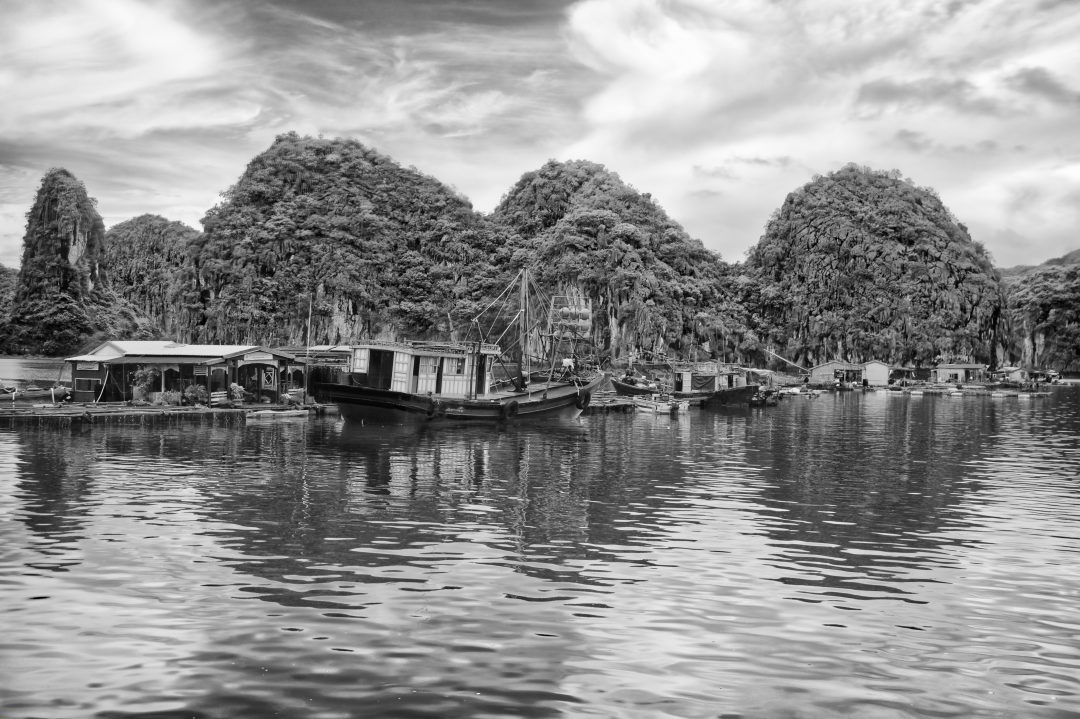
{"type": "Point", "coordinates": [718, 109]}
{"type": "Point", "coordinates": [1039, 82]}
{"type": "Point", "coordinates": [941, 92]}
{"type": "Point", "coordinates": [959, 95]}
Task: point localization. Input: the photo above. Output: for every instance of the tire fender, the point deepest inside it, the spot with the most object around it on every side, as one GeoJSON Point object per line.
{"type": "Point", "coordinates": [510, 409]}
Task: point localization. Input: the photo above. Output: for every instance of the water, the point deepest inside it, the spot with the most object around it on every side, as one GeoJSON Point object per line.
{"type": "Point", "coordinates": [850, 555]}
{"type": "Point", "coordinates": [44, 372]}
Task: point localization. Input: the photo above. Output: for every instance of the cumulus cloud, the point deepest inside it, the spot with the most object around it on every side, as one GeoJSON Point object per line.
{"type": "Point", "coordinates": [718, 109]}
{"type": "Point", "coordinates": [942, 92]}
{"type": "Point", "coordinates": [1040, 82]}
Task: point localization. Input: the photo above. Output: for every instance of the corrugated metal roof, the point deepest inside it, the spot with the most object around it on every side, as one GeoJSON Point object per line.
{"type": "Point", "coordinates": [159, 349]}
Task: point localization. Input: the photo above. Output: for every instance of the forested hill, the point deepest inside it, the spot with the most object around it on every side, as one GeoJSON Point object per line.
{"type": "Point", "coordinates": [328, 241]}
{"type": "Point", "coordinates": [653, 286]}
{"type": "Point", "coordinates": [147, 261]}
{"type": "Point", "coordinates": [8, 276]}
{"type": "Point", "coordinates": [59, 301]}
{"type": "Point", "coordinates": [862, 264]}
{"type": "Point", "coordinates": [373, 248]}
{"type": "Point", "coordinates": [1044, 314]}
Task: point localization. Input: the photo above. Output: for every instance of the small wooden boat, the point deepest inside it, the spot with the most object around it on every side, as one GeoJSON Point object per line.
{"type": "Point", "coordinates": [276, 414]}
{"type": "Point", "coordinates": [660, 404]}
{"type": "Point", "coordinates": [763, 399]}
{"type": "Point", "coordinates": [634, 386]}
{"type": "Point", "coordinates": [35, 393]}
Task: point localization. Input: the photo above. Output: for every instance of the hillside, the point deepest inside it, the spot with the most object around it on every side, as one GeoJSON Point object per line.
{"type": "Point", "coordinates": [1044, 316]}
{"type": "Point", "coordinates": [7, 291]}
{"type": "Point", "coordinates": [147, 261]}
{"type": "Point", "coordinates": [653, 286]}
{"type": "Point", "coordinates": [369, 247]}
{"type": "Point", "coordinates": [59, 302]}
{"type": "Point", "coordinates": [861, 264]}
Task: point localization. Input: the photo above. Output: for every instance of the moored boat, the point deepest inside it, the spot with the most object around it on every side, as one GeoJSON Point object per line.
{"type": "Point", "coordinates": [277, 414]}
{"type": "Point", "coordinates": [425, 382]}
{"type": "Point", "coordinates": [35, 393]}
{"type": "Point", "coordinates": [661, 404]}
{"type": "Point", "coordinates": [629, 386]}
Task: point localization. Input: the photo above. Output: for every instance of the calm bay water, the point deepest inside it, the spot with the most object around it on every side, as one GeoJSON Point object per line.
{"type": "Point", "coordinates": [851, 555]}
{"type": "Point", "coordinates": [20, 371]}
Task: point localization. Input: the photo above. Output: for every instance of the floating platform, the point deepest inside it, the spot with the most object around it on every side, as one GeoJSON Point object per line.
{"type": "Point", "coordinates": [65, 414]}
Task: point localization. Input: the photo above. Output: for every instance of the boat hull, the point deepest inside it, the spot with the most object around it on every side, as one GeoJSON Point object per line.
{"type": "Point", "coordinates": [730, 396]}
{"type": "Point", "coordinates": [633, 390]}
{"type": "Point", "coordinates": [366, 405]}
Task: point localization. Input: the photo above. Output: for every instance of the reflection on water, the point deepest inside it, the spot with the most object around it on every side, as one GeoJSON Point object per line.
{"type": "Point", "coordinates": [856, 555]}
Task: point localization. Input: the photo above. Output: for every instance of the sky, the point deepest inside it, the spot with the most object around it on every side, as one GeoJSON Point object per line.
{"type": "Point", "coordinates": [717, 108]}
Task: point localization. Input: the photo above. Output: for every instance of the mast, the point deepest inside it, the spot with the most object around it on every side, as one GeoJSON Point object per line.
{"type": "Point", "coordinates": [524, 340]}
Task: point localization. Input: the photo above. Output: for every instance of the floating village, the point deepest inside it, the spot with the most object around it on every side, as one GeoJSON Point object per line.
{"type": "Point", "coordinates": [549, 375]}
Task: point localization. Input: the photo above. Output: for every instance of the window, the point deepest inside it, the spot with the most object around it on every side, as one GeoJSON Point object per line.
{"type": "Point", "coordinates": [85, 384]}
{"type": "Point", "coordinates": [453, 365]}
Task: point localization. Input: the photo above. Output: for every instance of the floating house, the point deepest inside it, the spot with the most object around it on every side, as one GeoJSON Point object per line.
{"type": "Point", "coordinates": [959, 373]}
{"type": "Point", "coordinates": [875, 373]}
{"type": "Point", "coordinates": [453, 369]}
{"type": "Point", "coordinates": [117, 371]}
{"type": "Point", "coordinates": [833, 371]}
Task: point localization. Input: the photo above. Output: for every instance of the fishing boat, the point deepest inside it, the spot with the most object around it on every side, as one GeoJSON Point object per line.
{"type": "Point", "coordinates": [538, 377]}
{"type": "Point", "coordinates": [703, 383]}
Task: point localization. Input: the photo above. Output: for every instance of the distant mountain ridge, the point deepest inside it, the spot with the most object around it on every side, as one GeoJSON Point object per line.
{"type": "Point", "coordinates": [1072, 258]}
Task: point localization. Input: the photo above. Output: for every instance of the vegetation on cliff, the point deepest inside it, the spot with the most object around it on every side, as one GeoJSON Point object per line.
{"type": "Point", "coordinates": [147, 261]}
{"type": "Point", "coordinates": [652, 285]}
{"type": "Point", "coordinates": [59, 302]}
{"type": "Point", "coordinates": [8, 275]}
{"type": "Point", "coordinates": [334, 229]}
{"type": "Point", "coordinates": [1044, 312]}
{"type": "Point", "coordinates": [861, 264]}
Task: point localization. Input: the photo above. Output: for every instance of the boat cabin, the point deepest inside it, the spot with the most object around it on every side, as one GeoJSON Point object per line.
{"type": "Point", "coordinates": [449, 369]}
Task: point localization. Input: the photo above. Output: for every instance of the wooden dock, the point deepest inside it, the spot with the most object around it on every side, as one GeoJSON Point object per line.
{"type": "Point", "coordinates": [607, 402]}
{"type": "Point", "coordinates": [66, 415]}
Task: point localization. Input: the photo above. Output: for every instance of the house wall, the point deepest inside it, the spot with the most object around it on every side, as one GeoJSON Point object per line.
{"type": "Point", "coordinates": [86, 382]}
{"type": "Point", "coordinates": [455, 376]}
{"type": "Point", "coordinates": [823, 374]}
{"type": "Point", "coordinates": [876, 374]}
{"type": "Point", "coordinates": [957, 374]}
